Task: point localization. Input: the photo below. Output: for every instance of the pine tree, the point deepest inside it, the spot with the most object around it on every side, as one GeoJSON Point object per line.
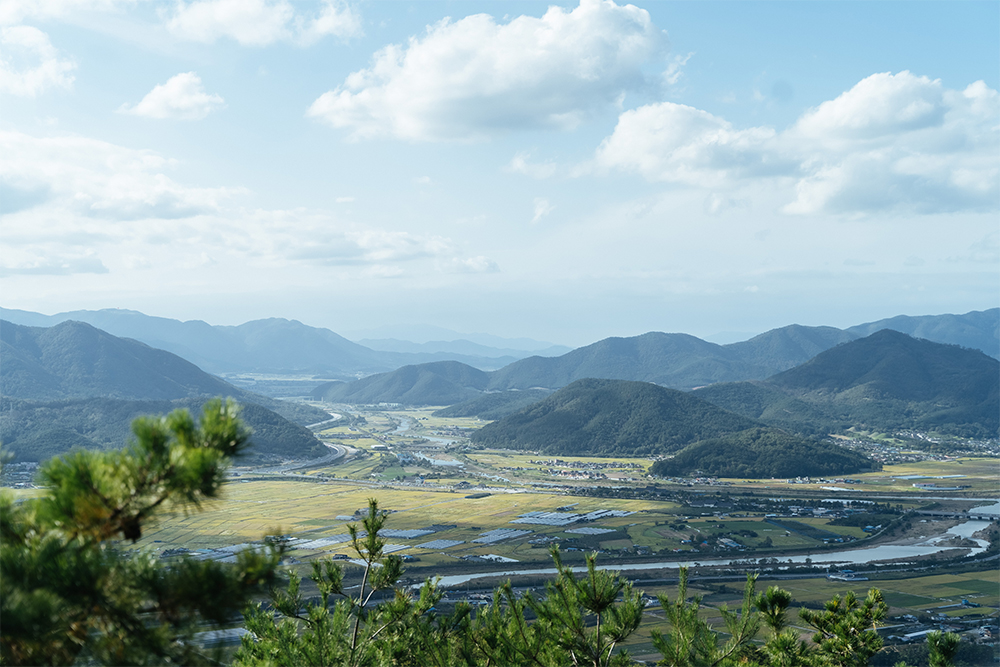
{"type": "Point", "coordinates": [343, 629]}
{"type": "Point", "coordinates": [68, 593]}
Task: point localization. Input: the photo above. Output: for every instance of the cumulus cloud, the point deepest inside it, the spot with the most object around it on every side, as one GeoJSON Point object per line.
{"type": "Point", "coordinates": [521, 164]}
{"type": "Point", "coordinates": [681, 144]}
{"type": "Point", "coordinates": [16, 11]}
{"type": "Point", "coordinates": [471, 78]}
{"type": "Point", "coordinates": [182, 97]}
{"type": "Point", "coordinates": [260, 22]}
{"type": "Point", "coordinates": [892, 142]}
{"type": "Point", "coordinates": [542, 209]}
{"type": "Point", "coordinates": [101, 180]}
{"type": "Point", "coordinates": [93, 207]}
{"type": "Point", "coordinates": [30, 64]}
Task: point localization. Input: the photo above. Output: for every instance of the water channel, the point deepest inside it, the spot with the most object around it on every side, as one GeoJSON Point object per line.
{"type": "Point", "coordinates": [848, 556]}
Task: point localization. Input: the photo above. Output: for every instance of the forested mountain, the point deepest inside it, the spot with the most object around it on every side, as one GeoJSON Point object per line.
{"type": "Point", "coordinates": [273, 345]}
{"type": "Point", "coordinates": [37, 430]}
{"type": "Point", "coordinates": [77, 385]}
{"type": "Point", "coordinates": [75, 360]}
{"type": "Point", "coordinates": [885, 381]}
{"type": "Point", "coordinates": [787, 347]}
{"type": "Point", "coordinates": [674, 360]}
{"type": "Point", "coordinates": [762, 453]}
{"type": "Point", "coordinates": [439, 383]}
{"type": "Point", "coordinates": [611, 417]}
{"type": "Point", "coordinates": [495, 404]}
{"type": "Point", "coordinates": [773, 406]}
{"type": "Point", "coordinates": [978, 329]}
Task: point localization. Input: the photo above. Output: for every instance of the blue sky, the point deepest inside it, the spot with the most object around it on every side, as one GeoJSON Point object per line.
{"type": "Point", "coordinates": [565, 172]}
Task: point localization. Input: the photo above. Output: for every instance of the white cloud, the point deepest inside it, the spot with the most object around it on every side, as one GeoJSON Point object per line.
{"type": "Point", "coordinates": [29, 64]}
{"type": "Point", "coordinates": [87, 206]}
{"type": "Point", "coordinates": [892, 142]}
{"type": "Point", "coordinates": [182, 97]}
{"type": "Point", "coordinates": [336, 19]}
{"type": "Point", "coordinates": [471, 78]}
{"type": "Point", "coordinates": [675, 70]}
{"type": "Point", "coordinates": [479, 264]}
{"type": "Point", "coordinates": [16, 11]}
{"type": "Point", "coordinates": [260, 22]}
{"type": "Point", "coordinates": [681, 144]}
{"type": "Point", "coordinates": [101, 180]}
{"type": "Point", "coordinates": [542, 209]}
{"type": "Point", "coordinates": [520, 164]}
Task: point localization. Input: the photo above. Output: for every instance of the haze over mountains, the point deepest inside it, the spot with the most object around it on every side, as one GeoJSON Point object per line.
{"type": "Point", "coordinates": [281, 346]}
{"type": "Point", "coordinates": [888, 380]}
{"type": "Point", "coordinates": [75, 384]}
{"type": "Point", "coordinates": [274, 345]}
{"type": "Point", "coordinates": [87, 384]}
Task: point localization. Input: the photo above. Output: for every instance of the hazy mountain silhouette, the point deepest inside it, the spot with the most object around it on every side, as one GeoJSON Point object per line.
{"type": "Point", "coordinates": [58, 378]}
{"type": "Point", "coordinates": [885, 381]}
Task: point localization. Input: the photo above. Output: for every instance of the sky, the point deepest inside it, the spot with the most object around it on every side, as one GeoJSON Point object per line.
{"type": "Point", "coordinates": [565, 172]}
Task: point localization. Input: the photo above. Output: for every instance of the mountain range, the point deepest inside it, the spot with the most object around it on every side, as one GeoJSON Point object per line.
{"type": "Point", "coordinates": [627, 418]}
{"type": "Point", "coordinates": [77, 384]}
{"type": "Point", "coordinates": [271, 346]}
{"type": "Point", "coordinates": [886, 381]}
{"type": "Point", "coordinates": [288, 347]}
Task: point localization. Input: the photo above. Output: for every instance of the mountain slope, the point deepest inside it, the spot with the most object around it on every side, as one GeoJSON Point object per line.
{"type": "Point", "coordinates": [787, 347]}
{"type": "Point", "coordinates": [772, 406]}
{"type": "Point", "coordinates": [75, 364]}
{"type": "Point", "coordinates": [978, 329]}
{"type": "Point", "coordinates": [762, 453]}
{"type": "Point", "coordinates": [272, 346]}
{"type": "Point", "coordinates": [495, 404]}
{"type": "Point", "coordinates": [35, 430]}
{"type": "Point", "coordinates": [887, 381]}
{"type": "Point", "coordinates": [74, 359]}
{"type": "Point", "coordinates": [611, 417]}
{"type": "Point", "coordinates": [675, 360]}
{"type": "Point", "coordinates": [439, 383]}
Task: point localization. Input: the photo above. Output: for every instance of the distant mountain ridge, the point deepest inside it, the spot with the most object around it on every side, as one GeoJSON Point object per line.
{"type": "Point", "coordinates": [438, 383]}
{"type": "Point", "coordinates": [978, 330]}
{"type": "Point", "coordinates": [77, 380]}
{"type": "Point", "coordinates": [274, 345]}
{"type": "Point", "coordinates": [885, 381]}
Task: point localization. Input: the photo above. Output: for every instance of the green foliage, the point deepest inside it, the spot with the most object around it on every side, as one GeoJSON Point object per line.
{"type": "Point", "coordinates": [611, 418]}
{"type": "Point", "coordinates": [846, 629]}
{"type": "Point", "coordinates": [942, 646]}
{"type": "Point", "coordinates": [66, 592]}
{"type": "Point", "coordinates": [691, 641]}
{"type": "Point", "coordinates": [762, 452]}
{"type": "Point", "coordinates": [38, 431]}
{"type": "Point", "coordinates": [571, 605]}
{"type": "Point", "coordinates": [343, 629]}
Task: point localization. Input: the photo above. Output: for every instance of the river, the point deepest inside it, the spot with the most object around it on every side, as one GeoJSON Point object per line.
{"type": "Point", "coordinates": [848, 556]}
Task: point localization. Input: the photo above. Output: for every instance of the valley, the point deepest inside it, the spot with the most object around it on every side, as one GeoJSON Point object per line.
{"type": "Point", "coordinates": [872, 463]}
{"type": "Point", "coordinates": [476, 516]}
